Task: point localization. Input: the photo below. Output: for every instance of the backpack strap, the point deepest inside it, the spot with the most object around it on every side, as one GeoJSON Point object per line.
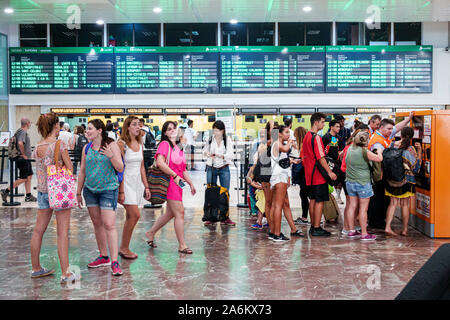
{"type": "Point", "coordinates": [314, 155]}
{"type": "Point", "coordinates": [87, 148]}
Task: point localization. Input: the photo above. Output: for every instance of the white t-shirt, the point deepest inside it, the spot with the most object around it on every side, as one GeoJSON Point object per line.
{"type": "Point", "coordinates": [190, 133]}
{"type": "Point", "coordinates": [66, 137]}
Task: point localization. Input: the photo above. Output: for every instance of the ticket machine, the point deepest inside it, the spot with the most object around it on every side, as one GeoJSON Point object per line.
{"type": "Point", "coordinates": [430, 210]}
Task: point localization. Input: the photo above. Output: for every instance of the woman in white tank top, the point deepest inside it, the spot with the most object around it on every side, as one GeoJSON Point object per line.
{"type": "Point", "coordinates": [134, 183]}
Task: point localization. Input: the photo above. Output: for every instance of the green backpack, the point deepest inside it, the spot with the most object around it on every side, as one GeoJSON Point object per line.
{"type": "Point", "coordinates": [376, 173]}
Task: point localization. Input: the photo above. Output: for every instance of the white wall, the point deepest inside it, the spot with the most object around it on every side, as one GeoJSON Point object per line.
{"type": "Point", "coordinates": [435, 34]}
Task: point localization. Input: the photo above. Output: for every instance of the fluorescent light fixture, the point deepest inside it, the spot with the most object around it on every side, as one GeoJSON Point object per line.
{"type": "Point", "coordinates": [233, 21]}
{"type": "Point", "coordinates": [307, 9]}
{"type": "Point", "coordinates": [157, 10]}
{"type": "Point", "coordinates": [9, 10]}
{"type": "Point", "coordinates": [100, 22]}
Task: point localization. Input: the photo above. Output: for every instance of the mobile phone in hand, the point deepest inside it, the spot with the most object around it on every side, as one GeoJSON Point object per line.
{"type": "Point", "coordinates": [181, 184]}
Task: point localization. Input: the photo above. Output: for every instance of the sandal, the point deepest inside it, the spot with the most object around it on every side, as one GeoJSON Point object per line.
{"type": "Point", "coordinates": [186, 251]}
{"type": "Point", "coordinates": [151, 243]}
{"type": "Point", "coordinates": [297, 233]}
{"type": "Point", "coordinates": [127, 257]}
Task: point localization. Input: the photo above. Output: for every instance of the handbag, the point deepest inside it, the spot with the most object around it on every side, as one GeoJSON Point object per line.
{"type": "Point", "coordinates": [158, 182]}
{"type": "Point", "coordinates": [61, 184]}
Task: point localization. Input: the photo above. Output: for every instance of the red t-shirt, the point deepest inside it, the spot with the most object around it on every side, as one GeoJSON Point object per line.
{"type": "Point", "coordinates": [309, 159]}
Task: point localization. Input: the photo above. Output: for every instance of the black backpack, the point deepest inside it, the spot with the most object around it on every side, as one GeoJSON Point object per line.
{"type": "Point", "coordinates": [81, 142]}
{"type": "Point", "coordinates": [263, 169]}
{"type": "Point", "coordinates": [334, 166]}
{"type": "Point", "coordinates": [150, 141]}
{"type": "Point", "coordinates": [393, 168]}
{"type": "Point", "coordinates": [216, 206]}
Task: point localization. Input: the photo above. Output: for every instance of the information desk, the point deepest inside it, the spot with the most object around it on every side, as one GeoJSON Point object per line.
{"type": "Point", "coordinates": [272, 69]}
{"type": "Point", "coordinates": [167, 69]}
{"type": "Point", "coordinates": [61, 70]}
{"type": "Point", "coordinates": [383, 69]}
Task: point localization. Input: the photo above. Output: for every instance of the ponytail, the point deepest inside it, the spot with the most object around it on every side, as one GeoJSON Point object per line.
{"type": "Point", "coordinates": [406, 134]}
{"type": "Point", "coordinates": [46, 122]}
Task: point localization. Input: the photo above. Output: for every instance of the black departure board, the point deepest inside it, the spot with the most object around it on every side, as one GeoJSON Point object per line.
{"type": "Point", "coordinates": [3, 67]}
{"type": "Point", "coordinates": [379, 69]}
{"type": "Point", "coordinates": [272, 69]}
{"type": "Point", "coordinates": [167, 69]}
{"type": "Point", "coordinates": [61, 70]}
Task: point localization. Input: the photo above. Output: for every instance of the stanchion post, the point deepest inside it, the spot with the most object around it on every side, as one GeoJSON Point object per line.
{"type": "Point", "coordinates": [11, 202]}
{"type": "Point", "coordinates": [16, 191]}
{"type": "Point", "coordinates": [242, 180]}
{"type": "Point", "coordinates": [3, 166]}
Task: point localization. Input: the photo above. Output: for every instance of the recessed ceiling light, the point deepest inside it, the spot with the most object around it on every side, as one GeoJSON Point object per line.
{"type": "Point", "coordinates": [9, 10]}
{"type": "Point", "coordinates": [233, 21]}
{"type": "Point", "coordinates": [307, 9]}
{"type": "Point", "coordinates": [100, 22]}
{"type": "Point", "coordinates": [157, 10]}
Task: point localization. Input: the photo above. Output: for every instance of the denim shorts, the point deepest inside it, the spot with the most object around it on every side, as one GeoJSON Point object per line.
{"type": "Point", "coordinates": [106, 200]}
{"type": "Point", "coordinates": [355, 189]}
{"type": "Point", "coordinates": [43, 204]}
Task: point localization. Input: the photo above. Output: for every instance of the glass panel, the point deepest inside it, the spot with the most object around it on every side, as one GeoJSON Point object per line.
{"type": "Point", "coordinates": [291, 33]}
{"type": "Point", "coordinates": [347, 33]}
{"type": "Point", "coordinates": [318, 33]}
{"type": "Point", "coordinates": [408, 33]}
{"type": "Point", "coordinates": [234, 34]}
{"type": "Point", "coordinates": [260, 34]}
{"type": "Point", "coordinates": [33, 30]}
{"type": "Point", "coordinates": [190, 34]}
{"type": "Point", "coordinates": [90, 35]}
{"type": "Point", "coordinates": [120, 34]}
{"type": "Point", "coordinates": [378, 36]}
{"type": "Point", "coordinates": [146, 34]}
{"type": "Point", "coordinates": [61, 36]}
{"type": "Point", "coordinates": [33, 43]}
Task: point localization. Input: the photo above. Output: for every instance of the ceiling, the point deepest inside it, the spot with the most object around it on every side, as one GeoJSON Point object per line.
{"type": "Point", "coordinates": [141, 11]}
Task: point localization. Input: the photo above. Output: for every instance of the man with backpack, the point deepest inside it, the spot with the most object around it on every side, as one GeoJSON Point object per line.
{"type": "Point", "coordinates": [20, 149]}
{"type": "Point", "coordinates": [79, 145]}
{"type": "Point", "coordinates": [379, 141]}
{"type": "Point", "coordinates": [313, 155]}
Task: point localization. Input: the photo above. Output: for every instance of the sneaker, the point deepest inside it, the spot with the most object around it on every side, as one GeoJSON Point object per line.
{"type": "Point", "coordinates": [209, 223]}
{"type": "Point", "coordinates": [265, 225]}
{"type": "Point", "coordinates": [42, 273]}
{"type": "Point", "coordinates": [271, 235]}
{"type": "Point", "coordinates": [319, 232]}
{"type": "Point", "coordinates": [345, 232]}
{"type": "Point", "coordinates": [368, 237]}
{"type": "Point", "coordinates": [115, 269]}
{"type": "Point", "coordinates": [30, 198]}
{"type": "Point", "coordinates": [228, 222]}
{"type": "Point", "coordinates": [280, 238]}
{"type": "Point", "coordinates": [264, 221]}
{"type": "Point", "coordinates": [353, 234]}
{"type": "Point", "coordinates": [70, 279]}
{"type": "Point", "coordinates": [99, 262]}
{"type": "Point", "coordinates": [256, 226]}
{"type": "Point", "coordinates": [4, 195]}
{"type": "Point", "coordinates": [301, 221]}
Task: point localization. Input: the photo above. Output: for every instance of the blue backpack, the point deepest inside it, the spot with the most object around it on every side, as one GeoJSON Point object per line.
{"type": "Point", "coordinates": [119, 174]}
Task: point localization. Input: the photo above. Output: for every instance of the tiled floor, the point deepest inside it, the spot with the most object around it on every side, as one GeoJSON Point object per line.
{"type": "Point", "coordinates": [228, 262]}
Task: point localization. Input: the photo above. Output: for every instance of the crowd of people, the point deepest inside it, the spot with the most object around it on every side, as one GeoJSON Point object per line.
{"type": "Point", "coordinates": [113, 170]}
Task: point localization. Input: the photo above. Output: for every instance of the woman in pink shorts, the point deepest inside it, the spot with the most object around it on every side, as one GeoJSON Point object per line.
{"type": "Point", "coordinates": [170, 147]}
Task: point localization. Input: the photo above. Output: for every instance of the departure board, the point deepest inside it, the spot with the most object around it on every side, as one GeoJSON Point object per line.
{"type": "Point", "coordinates": [167, 69]}
{"type": "Point", "coordinates": [3, 67]}
{"type": "Point", "coordinates": [379, 69]}
{"type": "Point", "coordinates": [272, 69]}
{"type": "Point", "coordinates": [61, 70]}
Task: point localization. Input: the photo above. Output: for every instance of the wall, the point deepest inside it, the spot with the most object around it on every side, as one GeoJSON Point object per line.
{"type": "Point", "coordinates": [435, 34]}
{"type": "Point", "coordinates": [32, 113]}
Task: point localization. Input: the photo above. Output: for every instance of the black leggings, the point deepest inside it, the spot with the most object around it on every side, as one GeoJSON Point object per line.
{"type": "Point", "coordinates": [304, 194]}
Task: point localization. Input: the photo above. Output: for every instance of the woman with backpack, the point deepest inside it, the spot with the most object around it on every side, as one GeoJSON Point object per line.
{"type": "Point", "coordinates": [219, 154]}
{"type": "Point", "coordinates": [171, 160]}
{"type": "Point", "coordinates": [359, 184]}
{"type": "Point", "coordinates": [406, 165]}
{"type": "Point", "coordinates": [79, 145]}
{"type": "Point", "coordinates": [48, 127]}
{"type": "Point", "coordinates": [134, 184]}
{"type": "Point", "coordinates": [101, 160]}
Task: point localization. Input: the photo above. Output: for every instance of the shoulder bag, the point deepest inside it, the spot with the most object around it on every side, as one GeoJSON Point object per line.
{"type": "Point", "coordinates": [158, 182]}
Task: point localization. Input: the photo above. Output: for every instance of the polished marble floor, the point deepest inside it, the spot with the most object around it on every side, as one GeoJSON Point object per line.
{"type": "Point", "coordinates": [228, 262]}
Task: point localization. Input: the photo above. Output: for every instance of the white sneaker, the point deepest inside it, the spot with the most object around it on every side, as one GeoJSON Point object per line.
{"type": "Point", "coordinates": [70, 279]}
{"type": "Point", "coordinates": [345, 232]}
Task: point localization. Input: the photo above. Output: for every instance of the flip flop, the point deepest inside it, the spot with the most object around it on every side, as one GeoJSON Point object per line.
{"type": "Point", "coordinates": [297, 233]}
{"type": "Point", "coordinates": [186, 251]}
{"type": "Point", "coordinates": [127, 257]}
{"type": "Point", "coordinates": [151, 243]}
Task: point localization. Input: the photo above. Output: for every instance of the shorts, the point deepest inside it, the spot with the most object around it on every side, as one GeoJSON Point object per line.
{"type": "Point", "coordinates": [319, 192]}
{"type": "Point", "coordinates": [279, 178]}
{"type": "Point", "coordinates": [43, 203]}
{"type": "Point", "coordinates": [358, 190]}
{"type": "Point", "coordinates": [106, 200]}
{"type": "Point", "coordinates": [25, 169]}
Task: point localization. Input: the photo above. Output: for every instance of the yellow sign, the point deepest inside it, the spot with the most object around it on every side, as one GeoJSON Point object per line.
{"type": "Point", "coordinates": [374, 110]}
{"type": "Point", "coordinates": [105, 110]}
{"type": "Point", "coordinates": [187, 111]}
{"type": "Point", "coordinates": [68, 110]}
{"type": "Point", "coordinates": [143, 110]}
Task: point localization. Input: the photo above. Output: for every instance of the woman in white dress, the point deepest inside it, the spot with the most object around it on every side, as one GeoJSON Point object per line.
{"type": "Point", "coordinates": [134, 184]}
